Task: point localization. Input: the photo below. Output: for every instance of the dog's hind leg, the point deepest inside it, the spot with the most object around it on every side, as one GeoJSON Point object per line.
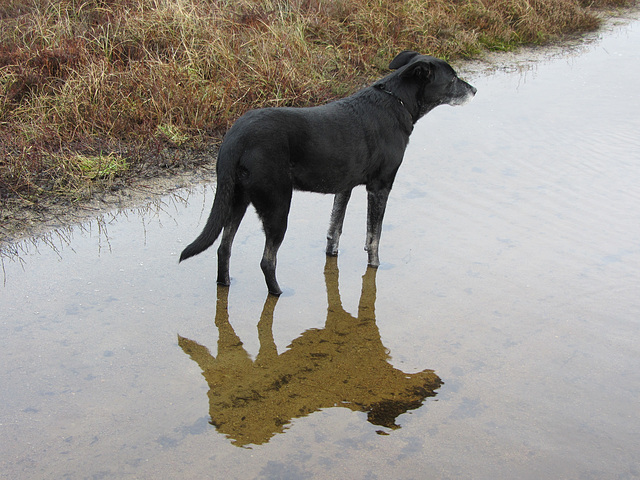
{"type": "Point", "coordinates": [273, 209]}
{"type": "Point", "coordinates": [231, 228]}
{"type": "Point", "coordinates": [337, 219]}
{"type": "Point", "coordinates": [377, 202]}
{"type": "Point", "coordinates": [274, 230]}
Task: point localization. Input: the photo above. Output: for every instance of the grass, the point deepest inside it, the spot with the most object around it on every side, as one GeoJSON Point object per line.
{"type": "Point", "coordinates": [92, 90]}
{"type": "Point", "coordinates": [100, 166]}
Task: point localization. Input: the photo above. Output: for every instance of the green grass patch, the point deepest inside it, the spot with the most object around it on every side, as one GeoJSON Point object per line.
{"type": "Point", "coordinates": [172, 134]}
{"type": "Point", "coordinates": [101, 166]}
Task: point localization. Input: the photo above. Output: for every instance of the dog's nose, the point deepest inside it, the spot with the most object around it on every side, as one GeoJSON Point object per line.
{"type": "Point", "coordinates": [472, 89]}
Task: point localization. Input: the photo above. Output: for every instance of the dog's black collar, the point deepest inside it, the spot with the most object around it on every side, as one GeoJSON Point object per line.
{"type": "Point", "coordinates": [383, 88]}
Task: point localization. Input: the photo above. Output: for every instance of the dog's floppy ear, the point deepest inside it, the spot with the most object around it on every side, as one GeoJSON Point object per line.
{"type": "Point", "coordinates": [402, 59]}
{"type": "Point", "coordinates": [422, 70]}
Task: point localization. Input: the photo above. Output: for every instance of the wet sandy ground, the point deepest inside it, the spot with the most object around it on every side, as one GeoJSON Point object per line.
{"type": "Point", "coordinates": [498, 339]}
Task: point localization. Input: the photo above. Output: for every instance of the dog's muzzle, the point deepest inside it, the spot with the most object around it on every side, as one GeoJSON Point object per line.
{"type": "Point", "coordinates": [463, 93]}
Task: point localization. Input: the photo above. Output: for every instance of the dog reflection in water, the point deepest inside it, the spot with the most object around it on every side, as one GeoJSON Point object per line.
{"type": "Point", "coordinates": [343, 364]}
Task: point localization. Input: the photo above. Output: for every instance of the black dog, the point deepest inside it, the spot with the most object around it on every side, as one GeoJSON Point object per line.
{"type": "Point", "coordinates": [332, 148]}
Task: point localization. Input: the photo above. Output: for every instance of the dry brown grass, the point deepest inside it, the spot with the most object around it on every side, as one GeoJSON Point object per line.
{"type": "Point", "coordinates": [129, 78]}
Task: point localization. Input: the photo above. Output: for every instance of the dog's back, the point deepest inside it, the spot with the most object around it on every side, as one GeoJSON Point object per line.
{"type": "Point", "coordinates": [325, 149]}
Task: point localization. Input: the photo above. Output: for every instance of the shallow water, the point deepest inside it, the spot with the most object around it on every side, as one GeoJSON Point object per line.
{"type": "Point", "coordinates": [498, 339]}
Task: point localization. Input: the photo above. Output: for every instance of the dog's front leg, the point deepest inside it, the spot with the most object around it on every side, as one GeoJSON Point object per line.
{"type": "Point", "coordinates": [377, 202]}
{"type": "Point", "coordinates": [337, 220]}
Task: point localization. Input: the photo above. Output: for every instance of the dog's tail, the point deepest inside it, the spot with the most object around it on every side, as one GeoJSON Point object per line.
{"type": "Point", "coordinates": [217, 218]}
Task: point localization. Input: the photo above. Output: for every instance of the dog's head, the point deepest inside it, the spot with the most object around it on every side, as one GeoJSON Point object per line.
{"type": "Point", "coordinates": [424, 82]}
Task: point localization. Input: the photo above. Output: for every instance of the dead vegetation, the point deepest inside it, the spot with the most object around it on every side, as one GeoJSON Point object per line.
{"type": "Point", "coordinates": [93, 92]}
